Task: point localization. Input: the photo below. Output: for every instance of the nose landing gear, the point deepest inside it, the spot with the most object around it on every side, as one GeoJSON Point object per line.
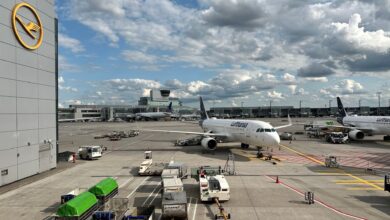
{"type": "Point", "coordinates": [244, 146]}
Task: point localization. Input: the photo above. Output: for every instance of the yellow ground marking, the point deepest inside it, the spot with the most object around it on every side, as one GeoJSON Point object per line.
{"type": "Point", "coordinates": [303, 155]}
{"type": "Point", "coordinates": [342, 171]}
{"type": "Point", "coordinates": [347, 181]}
{"type": "Point", "coordinates": [361, 188]}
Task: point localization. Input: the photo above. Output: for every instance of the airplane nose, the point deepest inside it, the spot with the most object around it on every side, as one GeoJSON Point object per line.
{"type": "Point", "coordinates": [273, 139]}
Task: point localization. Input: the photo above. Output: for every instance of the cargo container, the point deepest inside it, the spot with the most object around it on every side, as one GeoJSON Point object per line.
{"type": "Point", "coordinates": [79, 208]}
{"type": "Point", "coordinates": [172, 185]}
{"type": "Point", "coordinates": [105, 189]}
{"type": "Point", "coordinates": [169, 173]}
{"type": "Point", "coordinates": [174, 205]}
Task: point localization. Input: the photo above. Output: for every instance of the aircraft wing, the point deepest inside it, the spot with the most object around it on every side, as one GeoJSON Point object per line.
{"type": "Point", "coordinates": [187, 132]}
{"type": "Point", "coordinates": [350, 128]}
{"type": "Point", "coordinates": [284, 126]}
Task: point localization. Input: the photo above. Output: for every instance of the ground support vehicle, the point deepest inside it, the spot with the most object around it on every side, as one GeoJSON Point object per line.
{"type": "Point", "coordinates": [90, 152]}
{"type": "Point", "coordinates": [148, 168]}
{"type": "Point", "coordinates": [172, 185]}
{"type": "Point", "coordinates": [336, 137]}
{"type": "Point", "coordinates": [331, 161]}
{"type": "Point", "coordinates": [174, 205]}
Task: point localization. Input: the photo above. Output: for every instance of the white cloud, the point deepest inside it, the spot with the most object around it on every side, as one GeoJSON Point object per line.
{"type": "Point", "coordinates": [61, 86]}
{"type": "Point", "coordinates": [344, 87]}
{"type": "Point", "coordinates": [351, 33]}
{"type": "Point", "coordinates": [70, 43]}
{"type": "Point", "coordinates": [275, 95]}
{"type": "Point", "coordinates": [138, 57]}
{"type": "Point", "coordinates": [292, 88]}
{"type": "Point", "coordinates": [317, 79]}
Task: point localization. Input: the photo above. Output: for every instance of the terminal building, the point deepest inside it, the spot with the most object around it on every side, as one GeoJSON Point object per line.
{"type": "Point", "coordinates": [28, 88]}
{"type": "Point", "coordinates": [158, 100]}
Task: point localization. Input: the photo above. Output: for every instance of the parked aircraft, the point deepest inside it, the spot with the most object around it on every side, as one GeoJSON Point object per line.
{"type": "Point", "coordinates": [359, 126]}
{"type": "Point", "coordinates": [248, 132]}
{"type": "Point", "coordinates": [155, 115]}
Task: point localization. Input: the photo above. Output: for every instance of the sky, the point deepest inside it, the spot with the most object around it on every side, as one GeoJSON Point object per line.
{"type": "Point", "coordinates": [231, 52]}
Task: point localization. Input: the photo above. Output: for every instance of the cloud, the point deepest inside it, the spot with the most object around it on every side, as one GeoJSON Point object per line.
{"type": "Point", "coordinates": [138, 57]}
{"type": "Point", "coordinates": [344, 87]}
{"type": "Point", "coordinates": [70, 43]}
{"type": "Point", "coordinates": [353, 35]}
{"type": "Point", "coordinates": [241, 14]}
{"type": "Point", "coordinates": [316, 79]}
{"type": "Point", "coordinates": [315, 70]}
{"type": "Point", "coordinates": [275, 95]}
{"type": "Point", "coordinates": [61, 86]}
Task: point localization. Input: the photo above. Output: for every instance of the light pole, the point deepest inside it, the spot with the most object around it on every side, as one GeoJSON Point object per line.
{"type": "Point", "coordinates": [300, 108]}
{"type": "Point", "coordinates": [379, 101]}
{"type": "Point", "coordinates": [270, 108]}
{"type": "Point", "coordinates": [360, 103]}
{"type": "Point", "coordinates": [330, 106]}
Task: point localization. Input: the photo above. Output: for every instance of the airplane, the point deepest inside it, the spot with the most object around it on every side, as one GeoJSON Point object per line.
{"type": "Point", "coordinates": [155, 115]}
{"type": "Point", "coordinates": [248, 132]}
{"type": "Point", "coordinates": [189, 117]}
{"type": "Point", "coordinates": [359, 126]}
{"type": "Point", "coordinates": [80, 119]}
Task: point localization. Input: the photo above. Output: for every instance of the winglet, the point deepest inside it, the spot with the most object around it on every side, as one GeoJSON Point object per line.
{"type": "Point", "coordinates": [169, 109]}
{"type": "Point", "coordinates": [203, 113]}
{"type": "Point", "coordinates": [284, 126]}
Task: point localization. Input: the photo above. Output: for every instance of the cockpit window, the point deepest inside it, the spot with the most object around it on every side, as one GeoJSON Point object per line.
{"type": "Point", "coordinates": [273, 130]}
{"type": "Point", "coordinates": [261, 129]}
{"type": "Point", "coordinates": [267, 130]}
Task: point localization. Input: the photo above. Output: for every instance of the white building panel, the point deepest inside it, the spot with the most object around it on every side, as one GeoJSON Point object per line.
{"type": "Point", "coordinates": [47, 64]}
{"type": "Point", "coordinates": [7, 105]}
{"type": "Point", "coordinates": [46, 106]}
{"type": "Point", "coordinates": [47, 134]}
{"type": "Point", "coordinates": [26, 57]}
{"type": "Point", "coordinates": [46, 120]}
{"type": "Point", "coordinates": [7, 87]}
{"type": "Point", "coordinates": [27, 106]}
{"type": "Point", "coordinates": [5, 13]}
{"type": "Point", "coordinates": [7, 122]}
{"type": "Point", "coordinates": [11, 176]}
{"type": "Point", "coordinates": [8, 158]}
{"type": "Point", "coordinates": [27, 90]}
{"type": "Point", "coordinates": [46, 78]}
{"type": "Point", "coordinates": [27, 121]}
{"type": "Point", "coordinates": [27, 137]}
{"type": "Point", "coordinates": [27, 74]}
{"type": "Point", "coordinates": [47, 50]}
{"type": "Point", "coordinates": [8, 70]}
{"type": "Point", "coordinates": [47, 92]}
{"type": "Point", "coordinates": [7, 35]}
{"type": "Point", "coordinates": [28, 169]}
{"type": "Point", "coordinates": [8, 140]}
{"type": "Point", "coordinates": [28, 153]}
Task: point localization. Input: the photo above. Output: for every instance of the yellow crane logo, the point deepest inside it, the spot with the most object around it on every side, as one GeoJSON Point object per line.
{"type": "Point", "coordinates": [33, 30]}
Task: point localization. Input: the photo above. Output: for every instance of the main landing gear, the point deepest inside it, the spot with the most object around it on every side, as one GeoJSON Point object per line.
{"type": "Point", "coordinates": [244, 146]}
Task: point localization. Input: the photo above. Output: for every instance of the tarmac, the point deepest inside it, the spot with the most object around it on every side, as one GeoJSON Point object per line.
{"type": "Point", "coordinates": [347, 192]}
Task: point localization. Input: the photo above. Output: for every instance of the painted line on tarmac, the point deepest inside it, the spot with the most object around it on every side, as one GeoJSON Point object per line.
{"type": "Point", "coordinates": [363, 188]}
{"type": "Point", "coordinates": [155, 196]}
{"type": "Point", "coordinates": [138, 187]}
{"type": "Point", "coordinates": [150, 195]}
{"type": "Point", "coordinates": [126, 182]}
{"type": "Point", "coordinates": [342, 171]}
{"type": "Point", "coordinates": [318, 201]}
{"type": "Point", "coordinates": [196, 206]}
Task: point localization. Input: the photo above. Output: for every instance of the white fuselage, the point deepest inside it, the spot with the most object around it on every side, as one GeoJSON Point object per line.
{"type": "Point", "coordinates": [257, 133]}
{"type": "Point", "coordinates": [376, 124]}
{"type": "Point", "coordinates": [153, 115]}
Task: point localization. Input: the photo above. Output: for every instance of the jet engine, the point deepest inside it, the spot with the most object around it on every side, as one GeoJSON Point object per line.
{"type": "Point", "coordinates": [356, 135]}
{"type": "Point", "coordinates": [209, 143]}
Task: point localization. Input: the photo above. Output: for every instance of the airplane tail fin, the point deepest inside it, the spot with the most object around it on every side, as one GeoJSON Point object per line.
{"type": "Point", "coordinates": [203, 113]}
{"type": "Point", "coordinates": [342, 112]}
{"type": "Point", "coordinates": [169, 109]}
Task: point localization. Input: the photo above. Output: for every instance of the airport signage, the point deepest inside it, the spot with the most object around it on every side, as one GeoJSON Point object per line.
{"type": "Point", "coordinates": [24, 28]}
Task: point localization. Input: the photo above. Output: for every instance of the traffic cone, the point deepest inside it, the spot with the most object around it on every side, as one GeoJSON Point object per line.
{"type": "Point", "coordinates": [277, 179]}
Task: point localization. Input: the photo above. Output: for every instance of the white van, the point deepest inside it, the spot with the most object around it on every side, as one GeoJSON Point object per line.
{"type": "Point", "coordinates": [90, 152]}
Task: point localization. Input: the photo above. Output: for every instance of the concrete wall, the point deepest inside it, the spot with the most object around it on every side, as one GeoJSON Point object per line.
{"type": "Point", "coordinates": [27, 95]}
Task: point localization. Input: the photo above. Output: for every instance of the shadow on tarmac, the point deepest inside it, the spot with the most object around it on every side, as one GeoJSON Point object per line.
{"type": "Point", "coordinates": [380, 203]}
